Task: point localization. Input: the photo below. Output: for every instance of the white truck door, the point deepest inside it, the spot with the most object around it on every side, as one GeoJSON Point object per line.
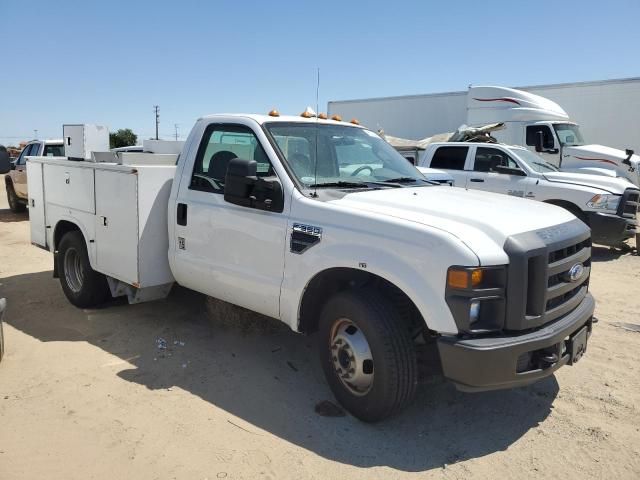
{"type": "Point", "coordinates": [492, 169]}
{"type": "Point", "coordinates": [227, 251]}
{"type": "Point", "coordinates": [36, 204]}
{"type": "Point", "coordinates": [452, 159]}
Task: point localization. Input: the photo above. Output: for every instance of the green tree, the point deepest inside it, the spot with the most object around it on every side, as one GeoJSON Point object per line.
{"type": "Point", "coordinates": [124, 137]}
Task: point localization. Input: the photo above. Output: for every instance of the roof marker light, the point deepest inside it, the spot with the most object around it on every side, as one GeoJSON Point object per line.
{"type": "Point", "coordinates": [355, 121]}
{"type": "Point", "coordinates": [322, 116]}
{"type": "Point", "coordinates": [274, 113]}
{"type": "Point", "coordinates": [337, 118]}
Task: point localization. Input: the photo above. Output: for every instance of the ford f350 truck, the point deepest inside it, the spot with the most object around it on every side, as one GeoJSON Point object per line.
{"type": "Point", "coordinates": [607, 204]}
{"type": "Point", "coordinates": [259, 211]}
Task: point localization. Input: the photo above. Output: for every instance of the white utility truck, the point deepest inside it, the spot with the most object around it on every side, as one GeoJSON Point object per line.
{"type": "Point", "coordinates": [608, 205]}
{"type": "Point", "coordinates": [268, 213]}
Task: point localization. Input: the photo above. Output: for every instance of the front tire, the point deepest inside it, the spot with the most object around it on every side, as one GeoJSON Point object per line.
{"type": "Point", "coordinates": [15, 205]}
{"type": "Point", "coordinates": [367, 354]}
{"type": "Point", "coordinates": [83, 286]}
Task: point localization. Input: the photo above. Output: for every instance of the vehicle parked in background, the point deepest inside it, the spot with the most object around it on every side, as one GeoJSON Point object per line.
{"type": "Point", "coordinates": [608, 111]}
{"type": "Point", "coordinates": [323, 225]}
{"type": "Point", "coordinates": [16, 180]}
{"type": "Point", "coordinates": [607, 204]}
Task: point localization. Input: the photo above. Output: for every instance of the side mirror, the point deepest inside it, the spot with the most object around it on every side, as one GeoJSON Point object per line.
{"type": "Point", "coordinates": [243, 187]}
{"type": "Point", "coordinates": [539, 142]}
{"type": "Point", "coordinates": [5, 162]}
{"type": "Point", "coordinates": [570, 139]}
{"type": "Point", "coordinates": [509, 171]}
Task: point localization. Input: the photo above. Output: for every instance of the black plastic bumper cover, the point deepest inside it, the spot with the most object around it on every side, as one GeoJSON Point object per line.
{"type": "Point", "coordinates": [490, 363]}
{"type": "Point", "coordinates": [608, 229]}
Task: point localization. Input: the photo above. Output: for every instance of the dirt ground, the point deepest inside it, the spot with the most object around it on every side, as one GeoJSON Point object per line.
{"type": "Point", "coordinates": [88, 394]}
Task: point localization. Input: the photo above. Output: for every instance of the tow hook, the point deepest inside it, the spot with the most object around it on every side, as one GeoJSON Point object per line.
{"type": "Point", "coordinates": [549, 359]}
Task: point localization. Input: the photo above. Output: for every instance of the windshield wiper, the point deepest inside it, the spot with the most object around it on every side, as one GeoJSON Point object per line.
{"type": "Point", "coordinates": [340, 184]}
{"type": "Point", "coordinates": [402, 180]}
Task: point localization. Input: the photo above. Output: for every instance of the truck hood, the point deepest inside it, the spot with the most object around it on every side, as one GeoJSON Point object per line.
{"type": "Point", "coordinates": [436, 175]}
{"type": "Point", "coordinates": [599, 155]}
{"type": "Point", "coordinates": [610, 184]}
{"type": "Point", "coordinates": [463, 213]}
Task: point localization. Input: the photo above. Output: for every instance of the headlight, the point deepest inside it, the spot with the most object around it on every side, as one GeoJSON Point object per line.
{"type": "Point", "coordinates": [604, 202]}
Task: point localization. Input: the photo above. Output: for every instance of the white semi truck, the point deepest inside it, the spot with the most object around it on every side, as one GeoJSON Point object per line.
{"type": "Point", "coordinates": [531, 120]}
{"type": "Point", "coordinates": [269, 213]}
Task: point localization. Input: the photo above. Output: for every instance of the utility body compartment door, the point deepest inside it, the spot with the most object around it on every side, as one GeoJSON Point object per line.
{"type": "Point", "coordinates": [35, 187]}
{"type": "Point", "coordinates": [117, 225]}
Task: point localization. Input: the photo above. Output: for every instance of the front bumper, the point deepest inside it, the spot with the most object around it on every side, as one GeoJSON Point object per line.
{"type": "Point", "coordinates": [610, 229]}
{"type": "Point", "coordinates": [491, 363]}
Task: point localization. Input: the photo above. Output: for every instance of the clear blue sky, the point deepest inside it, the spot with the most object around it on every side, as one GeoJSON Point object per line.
{"type": "Point", "coordinates": [110, 61]}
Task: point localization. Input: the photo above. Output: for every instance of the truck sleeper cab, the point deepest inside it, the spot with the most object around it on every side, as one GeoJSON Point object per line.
{"type": "Point", "coordinates": [321, 224]}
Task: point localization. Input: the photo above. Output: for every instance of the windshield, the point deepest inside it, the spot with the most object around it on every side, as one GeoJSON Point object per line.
{"type": "Point", "coordinates": [346, 156]}
{"type": "Point", "coordinates": [568, 134]}
{"type": "Point", "coordinates": [535, 162]}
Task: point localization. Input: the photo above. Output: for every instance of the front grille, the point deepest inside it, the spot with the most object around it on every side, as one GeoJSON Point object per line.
{"type": "Point", "coordinates": [539, 284]}
{"type": "Point", "coordinates": [629, 203]}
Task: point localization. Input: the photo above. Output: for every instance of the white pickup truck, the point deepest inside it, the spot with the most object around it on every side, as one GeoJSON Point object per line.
{"type": "Point", "coordinates": [607, 204]}
{"type": "Point", "coordinates": [258, 212]}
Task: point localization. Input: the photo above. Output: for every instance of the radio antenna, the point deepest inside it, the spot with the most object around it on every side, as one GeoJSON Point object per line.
{"type": "Point", "coordinates": [315, 166]}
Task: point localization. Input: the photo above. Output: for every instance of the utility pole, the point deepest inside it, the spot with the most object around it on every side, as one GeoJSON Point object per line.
{"type": "Point", "coordinates": [175, 125]}
{"type": "Point", "coordinates": [35, 133]}
{"type": "Point", "coordinates": [156, 109]}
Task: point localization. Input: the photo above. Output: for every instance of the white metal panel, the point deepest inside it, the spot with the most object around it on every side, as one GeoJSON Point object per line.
{"type": "Point", "coordinates": [81, 140]}
{"type": "Point", "coordinates": [35, 187]}
{"type": "Point", "coordinates": [154, 187]}
{"type": "Point", "coordinates": [69, 186]}
{"type": "Point", "coordinates": [117, 225]}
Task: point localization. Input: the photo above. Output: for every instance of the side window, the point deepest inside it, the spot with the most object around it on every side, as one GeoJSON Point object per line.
{"type": "Point", "coordinates": [220, 144]}
{"type": "Point", "coordinates": [488, 158]}
{"type": "Point", "coordinates": [25, 153]}
{"type": "Point", "coordinates": [449, 158]}
{"type": "Point", "coordinates": [53, 151]}
{"type": "Point", "coordinates": [532, 133]}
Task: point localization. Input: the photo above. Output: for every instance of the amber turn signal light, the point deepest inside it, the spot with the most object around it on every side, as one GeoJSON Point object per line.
{"type": "Point", "coordinates": [464, 278]}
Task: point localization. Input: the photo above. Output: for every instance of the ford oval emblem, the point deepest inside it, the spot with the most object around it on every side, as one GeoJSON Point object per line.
{"type": "Point", "coordinates": [575, 272]}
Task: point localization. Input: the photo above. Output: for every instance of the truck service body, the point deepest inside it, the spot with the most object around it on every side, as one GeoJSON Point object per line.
{"type": "Point", "coordinates": [270, 214]}
{"type": "Point", "coordinates": [607, 204]}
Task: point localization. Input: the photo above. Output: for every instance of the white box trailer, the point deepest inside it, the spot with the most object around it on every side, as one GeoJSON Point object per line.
{"type": "Point", "coordinates": [607, 111]}
{"type": "Point", "coordinates": [124, 212]}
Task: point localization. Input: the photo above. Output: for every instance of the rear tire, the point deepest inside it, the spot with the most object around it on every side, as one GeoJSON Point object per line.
{"type": "Point", "coordinates": [83, 286]}
{"type": "Point", "coordinates": [15, 205]}
{"type": "Point", "coordinates": [367, 354]}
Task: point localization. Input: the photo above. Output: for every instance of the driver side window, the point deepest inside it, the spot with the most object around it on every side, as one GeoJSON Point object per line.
{"type": "Point", "coordinates": [221, 144]}
{"type": "Point", "coordinates": [488, 158]}
{"type": "Point", "coordinates": [25, 153]}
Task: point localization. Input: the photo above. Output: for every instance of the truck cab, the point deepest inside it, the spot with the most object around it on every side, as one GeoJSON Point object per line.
{"type": "Point", "coordinates": [542, 126]}
{"type": "Point", "coordinates": [608, 205]}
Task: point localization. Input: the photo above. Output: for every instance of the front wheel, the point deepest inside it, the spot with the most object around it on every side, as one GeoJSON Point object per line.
{"type": "Point", "coordinates": [367, 354]}
{"type": "Point", "coordinates": [83, 286]}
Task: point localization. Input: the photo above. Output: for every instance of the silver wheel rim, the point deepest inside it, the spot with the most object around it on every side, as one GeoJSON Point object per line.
{"type": "Point", "coordinates": [351, 356]}
{"type": "Point", "coordinates": [73, 270]}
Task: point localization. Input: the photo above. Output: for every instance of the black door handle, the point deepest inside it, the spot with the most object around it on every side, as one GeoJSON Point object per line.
{"type": "Point", "coordinates": [181, 214]}
{"type": "Point", "coordinates": [477, 180]}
